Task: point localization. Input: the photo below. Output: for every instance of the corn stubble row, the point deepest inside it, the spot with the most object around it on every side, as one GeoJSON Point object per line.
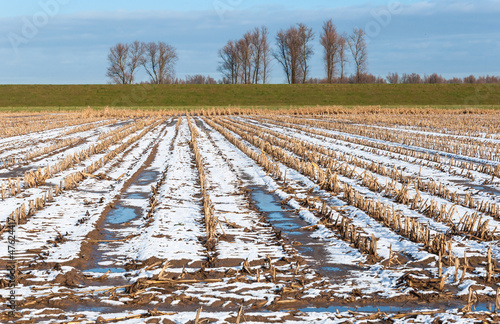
{"type": "Point", "coordinates": [409, 227]}
{"type": "Point", "coordinates": [39, 123]}
{"type": "Point", "coordinates": [155, 189]}
{"type": "Point", "coordinates": [21, 214]}
{"type": "Point", "coordinates": [437, 243]}
{"type": "Point", "coordinates": [348, 231]}
{"type": "Point", "coordinates": [341, 162]}
{"type": "Point", "coordinates": [36, 178]}
{"type": "Point", "coordinates": [378, 147]}
{"type": "Point", "coordinates": [310, 153]}
{"type": "Point", "coordinates": [211, 221]}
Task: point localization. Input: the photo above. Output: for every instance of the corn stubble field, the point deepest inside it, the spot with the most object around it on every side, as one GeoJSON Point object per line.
{"type": "Point", "coordinates": [360, 215]}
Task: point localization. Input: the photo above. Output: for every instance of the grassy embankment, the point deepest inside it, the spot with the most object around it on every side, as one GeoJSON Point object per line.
{"type": "Point", "coordinates": [71, 97]}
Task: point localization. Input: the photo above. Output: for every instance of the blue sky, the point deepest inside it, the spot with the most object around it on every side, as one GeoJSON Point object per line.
{"type": "Point", "coordinates": [67, 41]}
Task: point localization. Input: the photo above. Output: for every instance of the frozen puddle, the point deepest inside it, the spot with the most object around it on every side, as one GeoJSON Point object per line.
{"type": "Point", "coordinates": [283, 219]}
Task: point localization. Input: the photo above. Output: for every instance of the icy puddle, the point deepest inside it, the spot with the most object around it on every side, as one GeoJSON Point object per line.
{"type": "Point", "coordinates": [290, 225]}
{"type": "Point", "coordinates": [408, 308]}
{"type": "Point", "coordinates": [104, 270]}
{"type": "Point", "coordinates": [146, 178]}
{"type": "Point", "coordinates": [489, 189]}
{"type": "Point", "coordinates": [118, 223]}
{"type": "Point", "coordinates": [135, 196]}
{"type": "Point", "coordinates": [122, 214]}
{"type": "Point", "coordinates": [368, 309]}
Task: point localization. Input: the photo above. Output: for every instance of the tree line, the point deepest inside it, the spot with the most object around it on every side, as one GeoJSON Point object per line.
{"type": "Point", "coordinates": [157, 59]}
{"type": "Point", "coordinates": [412, 78]}
{"type": "Point", "coordinates": [248, 60]}
{"type": "Point", "coordinates": [415, 78]}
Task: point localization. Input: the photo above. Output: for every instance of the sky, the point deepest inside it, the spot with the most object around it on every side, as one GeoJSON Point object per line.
{"type": "Point", "coordinates": [67, 41]}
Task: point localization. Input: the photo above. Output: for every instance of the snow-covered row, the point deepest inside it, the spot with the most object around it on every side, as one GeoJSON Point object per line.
{"type": "Point", "coordinates": [249, 238]}
{"type": "Point", "coordinates": [418, 167]}
{"type": "Point", "coordinates": [178, 222]}
{"type": "Point", "coordinates": [389, 158]}
{"type": "Point", "coordinates": [459, 210]}
{"type": "Point", "coordinates": [477, 248]}
{"type": "Point", "coordinates": [20, 145]}
{"type": "Point", "coordinates": [386, 237]}
{"type": "Point", "coordinates": [68, 215]}
{"type": "Point", "coordinates": [9, 204]}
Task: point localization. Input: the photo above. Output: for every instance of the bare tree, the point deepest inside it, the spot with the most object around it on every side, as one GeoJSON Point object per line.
{"type": "Point", "coordinates": [260, 54]}
{"type": "Point", "coordinates": [455, 80]}
{"type": "Point", "coordinates": [357, 46]}
{"type": "Point", "coordinates": [293, 43]}
{"type": "Point", "coordinates": [293, 52]}
{"type": "Point", "coordinates": [136, 57]}
{"type": "Point", "coordinates": [256, 49]}
{"type": "Point", "coordinates": [246, 60]}
{"type": "Point", "coordinates": [470, 79]}
{"type": "Point", "coordinates": [283, 56]}
{"type": "Point", "coordinates": [393, 78]}
{"type": "Point", "coordinates": [118, 70]}
{"type": "Point", "coordinates": [266, 55]}
{"type": "Point", "coordinates": [434, 78]}
{"type": "Point", "coordinates": [244, 51]}
{"type": "Point", "coordinates": [124, 60]}
{"type": "Point", "coordinates": [343, 59]}
{"type": "Point", "coordinates": [158, 60]}
{"type": "Point", "coordinates": [492, 79]}
{"type": "Point", "coordinates": [306, 35]}
{"type": "Point", "coordinates": [229, 66]}
{"type": "Point", "coordinates": [197, 79]}
{"type": "Point", "coordinates": [330, 43]}
{"type": "Point", "coordinates": [413, 78]}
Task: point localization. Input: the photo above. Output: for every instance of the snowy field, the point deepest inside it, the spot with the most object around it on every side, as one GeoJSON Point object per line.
{"type": "Point", "coordinates": [250, 218]}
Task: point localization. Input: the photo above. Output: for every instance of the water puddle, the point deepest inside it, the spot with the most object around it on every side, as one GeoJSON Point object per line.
{"type": "Point", "coordinates": [290, 225]}
{"type": "Point", "coordinates": [105, 269]}
{"type": "Point", "coordinates": [267, 203]}
{"type": "Point", "coordinates": [117, 219]}
{"type": "Point", "coordinates": [487, 189]}
{"type": "Point", "coordinates": [277, 218]}
{"type": "Point", "coordinates": [116, 225]}
{"type": "Point", "coordinates": [480, 307]}
{"type": "Point", "coordinates": [146, 178]}
{"type": "Point", "coordinates": [122, 214]}
{"type": "Point", "coordinates": [136, 196]}
{"type": "Point", "coordinates": [98, 309]}
{"type": "Point", "coordinates": [368, 309]}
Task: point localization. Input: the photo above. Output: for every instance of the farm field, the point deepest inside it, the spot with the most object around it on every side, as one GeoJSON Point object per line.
{"type": "Point", "coordinates": [325, 215]}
